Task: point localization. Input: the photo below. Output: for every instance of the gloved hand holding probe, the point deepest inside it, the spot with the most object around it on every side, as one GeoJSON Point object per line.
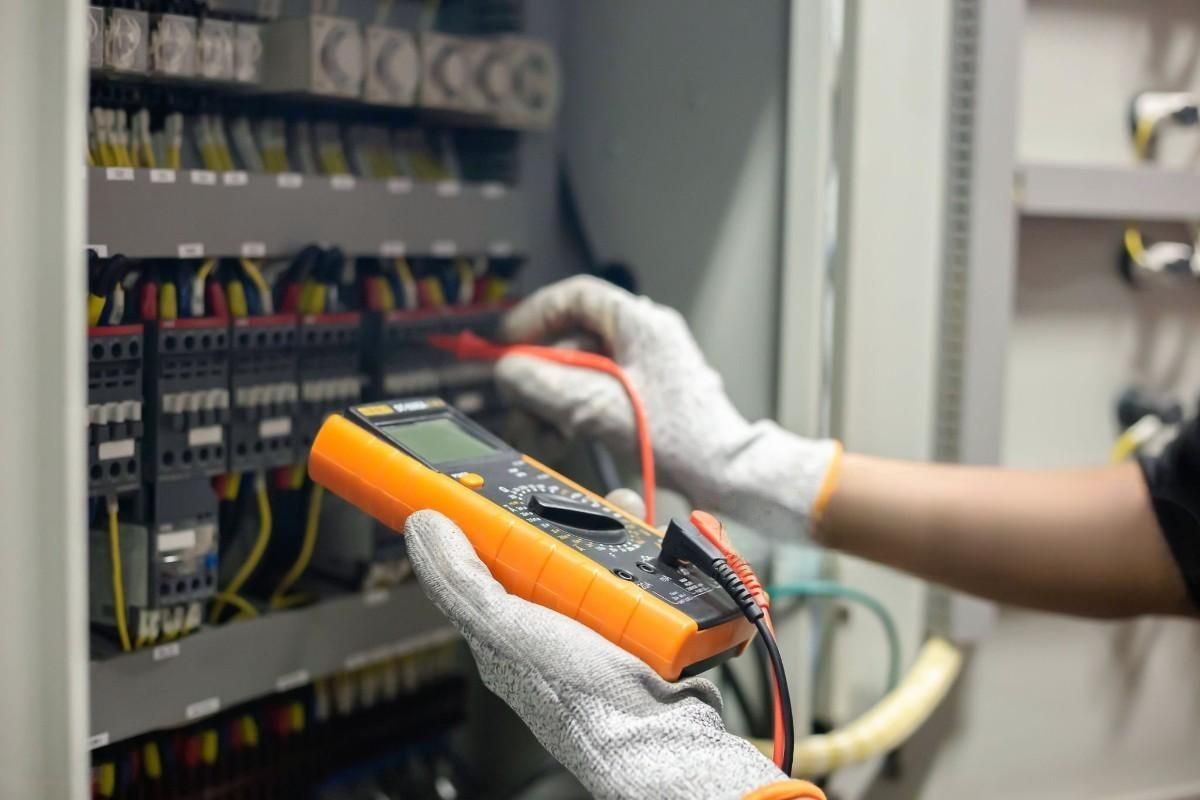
{"type": "Point", "coordinates": [755, 472]}
{"type": "Point", "coordinates": [1127, 531]}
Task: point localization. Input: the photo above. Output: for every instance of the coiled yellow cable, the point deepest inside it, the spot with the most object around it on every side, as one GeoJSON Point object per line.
{"type": "Point", "coordinates": [889, 723]}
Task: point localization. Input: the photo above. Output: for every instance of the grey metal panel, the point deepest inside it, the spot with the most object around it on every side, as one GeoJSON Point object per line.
{"type": "Point", "coordinates": [979, 260]}
{"type": "Point", "coordinates": [1094, 192]}
{"type": "Point", "coordinates": [218, 668]}
{"type": "Point", "coordinates": [129, 213]}
{"type": "Point", "coordinates": [43, 551]}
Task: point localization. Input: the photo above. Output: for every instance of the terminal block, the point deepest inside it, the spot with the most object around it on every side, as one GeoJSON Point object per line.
{"type": "Point", "coordinates": [263, 386]}
{"type": "Point", "coordinates": [168, 562]}
{"type": "Point", "coordinates": [187, 390]}
{"type": "Point", "coordinates": [114, 409]}
{"type": "Point", "coordinates": [329, 369]}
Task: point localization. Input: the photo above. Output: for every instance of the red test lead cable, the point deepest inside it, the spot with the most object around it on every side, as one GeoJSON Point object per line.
{"type": "Point", "coordinates": [467, 345]}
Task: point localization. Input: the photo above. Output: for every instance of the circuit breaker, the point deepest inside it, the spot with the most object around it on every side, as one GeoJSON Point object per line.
{"type": "Point", "coordinates": [264, 391]}
{"type": "Point", "coordinates": [115, 426]}
{"type": "Point", "coordinates": [330, 373]}
{"type": "Point", "coordinates": [168, 555]}
{"type": "Point", "coordinates": [187, 383]}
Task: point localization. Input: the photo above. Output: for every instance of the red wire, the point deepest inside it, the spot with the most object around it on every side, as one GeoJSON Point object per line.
{"type": "Point", "coordinates": [470, 346]}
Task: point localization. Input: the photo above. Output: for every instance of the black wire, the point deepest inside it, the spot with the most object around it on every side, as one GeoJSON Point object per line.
{"type": "Point", "coordinates": [767, 641]}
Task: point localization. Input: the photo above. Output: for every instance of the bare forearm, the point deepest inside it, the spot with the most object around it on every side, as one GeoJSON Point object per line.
{"type": "Point", "coordinates": [1074, 541]}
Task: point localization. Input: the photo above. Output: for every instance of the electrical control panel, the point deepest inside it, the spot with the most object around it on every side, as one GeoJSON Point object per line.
{"type": "Point", "coordinates": [281, 209]}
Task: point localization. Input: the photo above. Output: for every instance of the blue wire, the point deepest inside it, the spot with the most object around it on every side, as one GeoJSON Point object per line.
{"type": "Point", "coordinates": [184, 295]}
{"type": "Point", "coordinates": [838, 591]}
{"type": "Point", "coordinates": [253, 301]}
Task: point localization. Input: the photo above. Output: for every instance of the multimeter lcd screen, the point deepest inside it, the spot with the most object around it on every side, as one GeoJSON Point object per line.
{"type": "Point", "coordinates": [437, 441]}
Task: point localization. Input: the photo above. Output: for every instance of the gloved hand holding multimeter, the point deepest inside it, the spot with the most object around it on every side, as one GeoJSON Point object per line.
{"type": "Point", "coordinates": [675, 605]}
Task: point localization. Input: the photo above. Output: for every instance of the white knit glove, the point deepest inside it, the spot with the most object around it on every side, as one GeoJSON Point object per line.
{"type": "Point", "coordinates": [623, 731]}
{"type": "Point", "coordinates": [755, 472]}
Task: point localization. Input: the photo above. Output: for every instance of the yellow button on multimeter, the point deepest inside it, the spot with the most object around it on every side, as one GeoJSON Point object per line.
{"type": "Point", "coordinates": [545, 538]}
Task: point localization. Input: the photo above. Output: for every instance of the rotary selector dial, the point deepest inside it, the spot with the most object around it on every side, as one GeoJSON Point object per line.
{"type": "Point", "coordinates": [585, 518]}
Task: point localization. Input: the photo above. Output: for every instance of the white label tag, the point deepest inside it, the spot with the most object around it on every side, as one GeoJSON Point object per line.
{"type": "Point", "coordinates": [493, 191]}
{"type": "Point", "coordinates": [500, 249]}
{"type": "Point", "coordinates": [101, 250]}
{"type": "Point", "coordinates": [121, 448]}
{"type": "Point", "coordinates": [209, 434]}
{"type": "Point", "coordinates": [176, 540]}
{"type": "Point", "coordinates": [97, 740]}
{"type": "Point", "coordinates": [342, 183]}
{"type": "Point", "coordinates": [235, 178]}
{"type": "Point", "coordinates": [291, 680]}
{"type": "Point", "coordinates": [191, 250]}
{"type": "Point", "coordinates": [399, 185]}
{"type": "Point", "coordinates": [254, 249]}
{"type": "Point", "coordinates": [393, 249]}
{"type": "Point", "coordinates": [289, 180]}
{"type": "Point", "coordinates": [162, 176]}
{"type": "Point", "coordinates": [204, 177]}
{"type": "Point", "coordinates": [119, 173]}
{"type": "Point", "coordinates": [449, 188]}
{"type": "Point", "coordinates": [270, 428]}
{"type": "Point", "coordinates": [202, 708]}
{"type": "Point", "coordinates": [444, 248]}
{"type": "Point", "coordinates": [376, 597]}
{"type": "Point", "coordinates": [165, 651]}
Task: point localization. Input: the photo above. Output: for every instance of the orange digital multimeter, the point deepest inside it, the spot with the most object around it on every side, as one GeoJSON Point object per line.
{"type": "Point", "coordinates": [545, 538]}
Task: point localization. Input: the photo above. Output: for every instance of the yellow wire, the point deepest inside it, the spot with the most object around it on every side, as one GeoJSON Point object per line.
{"type": "Point", "coordinates": [205, 270]}
{"type": "Point", "coordinates": [433, 288]}
{"type": "Point", "coordinates": [107, 783]}
{"type": "Point", "coordinates": [256, 552]}
{"type": "Point", "coordinates": [118, 580]}
{"type": "Point", "coordinates": [318, 299]}
{"type": "Point", "coordinates": [1135, 246]}
{"type": "Point", "coordinates": [95, 309]}
{"type": "Point", "coordinates": [293, 600]}
{"type": "Point", "coordinates": [249, 731]}
{"type": "Point", "coordinates": [405, 274]}
{"type": "Point", "coordinates": [168, 301]}
{"type": "Point", "coordinates": [209, 746]}
{"type": "Point", "coordinates": [1143, 133]}
{"type": "Point", "coordinates": [233, 485]}
{"type": "Point", "coordinates": [307, 545]}
{"type": "Point", "coordinates": [256, 277]}
{"type": "Point", "coordinates": [495, 290]}
{"type": "Point", "coordinates": [246, 609]}
{"type": "Point", "coordinates": [387, 298]}
{"type": "Point", "coordinates": [236, 293]}
{"type": "Point", "coordinates": [148, 155]}
{"type": "Point", "coordinates": [152, 759]}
